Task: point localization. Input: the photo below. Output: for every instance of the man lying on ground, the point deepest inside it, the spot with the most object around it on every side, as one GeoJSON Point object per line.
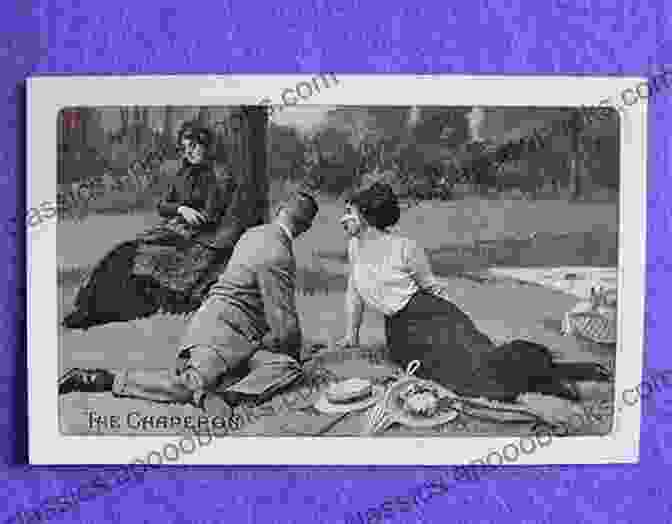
{"type": "Point", "coordinates": [244, 340]}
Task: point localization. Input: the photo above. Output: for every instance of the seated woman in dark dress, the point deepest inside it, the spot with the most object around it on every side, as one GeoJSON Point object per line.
{"type": "Point", "coordinates": [391, 274]}
{"type": "Point", "coordinates": [170, 266]}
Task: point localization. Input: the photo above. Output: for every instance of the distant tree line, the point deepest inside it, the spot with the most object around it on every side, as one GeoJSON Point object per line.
{"type": "Point", "coordinates": [424, 151]}
{"type": "Point", "coordinates": [429, 155]}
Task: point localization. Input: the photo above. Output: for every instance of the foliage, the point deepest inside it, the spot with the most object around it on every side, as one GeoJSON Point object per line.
{"type": "Point", "coordinates": [423, 152]}
{"type": "Point", "coordinates": [286, 153]}
{"type": "Point", "coordinates": [442, 126]}
{"type": "Point", "coordinates": [356, 145]}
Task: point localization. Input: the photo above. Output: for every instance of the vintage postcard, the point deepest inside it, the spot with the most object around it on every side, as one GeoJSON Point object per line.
{"type": "Point", "coordinates": [248, 269]}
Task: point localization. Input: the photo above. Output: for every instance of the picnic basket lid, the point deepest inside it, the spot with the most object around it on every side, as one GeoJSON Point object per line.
{"type": "Point", "coordinates": [596, 319]}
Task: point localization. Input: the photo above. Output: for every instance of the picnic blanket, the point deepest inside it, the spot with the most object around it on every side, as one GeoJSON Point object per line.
{"type": "Point", "coordinates": [290, 413]}
{"type": "Point", "coordinates": [576, 281]}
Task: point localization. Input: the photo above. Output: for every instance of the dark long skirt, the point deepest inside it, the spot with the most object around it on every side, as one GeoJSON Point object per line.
{"type": "Point", "coordinates": [454, 353]}
{"type": "Point", "coordinates": [158, 271]}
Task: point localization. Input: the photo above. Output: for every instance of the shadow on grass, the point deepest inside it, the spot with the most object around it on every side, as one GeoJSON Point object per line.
{"type": "Point", "coordinates": [319, 281]}
{"type": "Point", "coordinates": [593, 248]}
{"type": "Point", "coordinates": [336, 256]}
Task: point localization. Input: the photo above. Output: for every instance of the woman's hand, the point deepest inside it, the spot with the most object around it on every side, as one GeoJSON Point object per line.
{"type": "Point", "coordinates": [192, 216]}
{"type": "Point", "coordinates": [347, 342]}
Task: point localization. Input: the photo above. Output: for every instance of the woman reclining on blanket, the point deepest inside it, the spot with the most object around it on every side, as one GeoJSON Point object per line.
{"type": "Point", "coordinates": [391, 274]}
{"type": "Point", "coordinates": [169, 266]}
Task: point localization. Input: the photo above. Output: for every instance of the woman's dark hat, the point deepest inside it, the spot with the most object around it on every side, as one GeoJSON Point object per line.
{"type": "Point", "coordinates": [198, 134]}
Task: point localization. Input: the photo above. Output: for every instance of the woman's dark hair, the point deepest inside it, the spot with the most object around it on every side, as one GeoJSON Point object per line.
{"type": "Point", "coordinates": [198, 134]}
{"type": "Point", "coordinates": [377, 204]}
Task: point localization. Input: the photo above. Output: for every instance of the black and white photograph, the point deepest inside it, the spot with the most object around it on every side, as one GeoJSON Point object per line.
{"type": "Point", "coordinates": [411, 261]}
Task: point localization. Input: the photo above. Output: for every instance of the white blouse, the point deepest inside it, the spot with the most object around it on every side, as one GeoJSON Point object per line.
{"type": "Point", "coordinates": [388, 271]}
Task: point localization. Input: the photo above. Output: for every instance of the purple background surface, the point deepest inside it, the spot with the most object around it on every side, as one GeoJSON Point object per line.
{"type": "Point", "coordinates": [532, 37]}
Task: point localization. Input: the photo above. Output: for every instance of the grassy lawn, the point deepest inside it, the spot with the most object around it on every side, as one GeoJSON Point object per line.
{"type": "Point", "coordinates": [439, 226]}
{"type": "Point", "coordinates": [590, 228]}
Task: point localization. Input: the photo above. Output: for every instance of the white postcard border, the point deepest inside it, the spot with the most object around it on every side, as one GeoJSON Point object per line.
{"type": "Point", "coordinates": [47, 95]}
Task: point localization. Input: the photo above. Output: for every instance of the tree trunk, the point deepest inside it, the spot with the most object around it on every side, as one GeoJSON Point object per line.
{"type": "Point", "coordinates": [79, 130]}
{"type": "Point", "coordinates": [168, 124]}
{"type": "Point", "coordinates": [577, 168]}
{"type": "Point", "coordinates": [123, 112]}
{"type": "Point", "coordinates": [137, 127]}
{"type": "Point", "coordinates": [250, 206]}
{"type": "Point", "coordinates": [204, 116]}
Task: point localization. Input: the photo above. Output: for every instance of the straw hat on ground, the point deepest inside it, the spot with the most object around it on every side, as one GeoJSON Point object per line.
{"type": "Point", "coordinates": [349, 395]}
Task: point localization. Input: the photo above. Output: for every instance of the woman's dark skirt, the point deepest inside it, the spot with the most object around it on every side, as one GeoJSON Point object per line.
{"type": "Point", "coordinates": [454, 353]}
{"type": "Point", "coordinates": [158, 271]}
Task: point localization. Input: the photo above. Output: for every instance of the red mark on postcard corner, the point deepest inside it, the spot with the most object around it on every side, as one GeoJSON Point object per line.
{"type": "Point", "coordinates": [71, 119]}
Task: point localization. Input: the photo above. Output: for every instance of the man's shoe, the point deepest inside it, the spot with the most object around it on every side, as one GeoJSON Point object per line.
{"type": "Point", "coordinates": [78, 320]}
{"type": "Point", "coordinates": [85, 381]}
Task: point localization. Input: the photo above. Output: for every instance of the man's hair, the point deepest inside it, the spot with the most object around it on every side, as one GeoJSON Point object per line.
{"type": "Point", "coordinates": [303, 195]}
{"type": "Point", "coordinates": [301, 203]}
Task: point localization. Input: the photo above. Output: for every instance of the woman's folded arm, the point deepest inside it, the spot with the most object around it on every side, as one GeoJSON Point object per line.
{"type": "Point", "coordinates": [169, 204]}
